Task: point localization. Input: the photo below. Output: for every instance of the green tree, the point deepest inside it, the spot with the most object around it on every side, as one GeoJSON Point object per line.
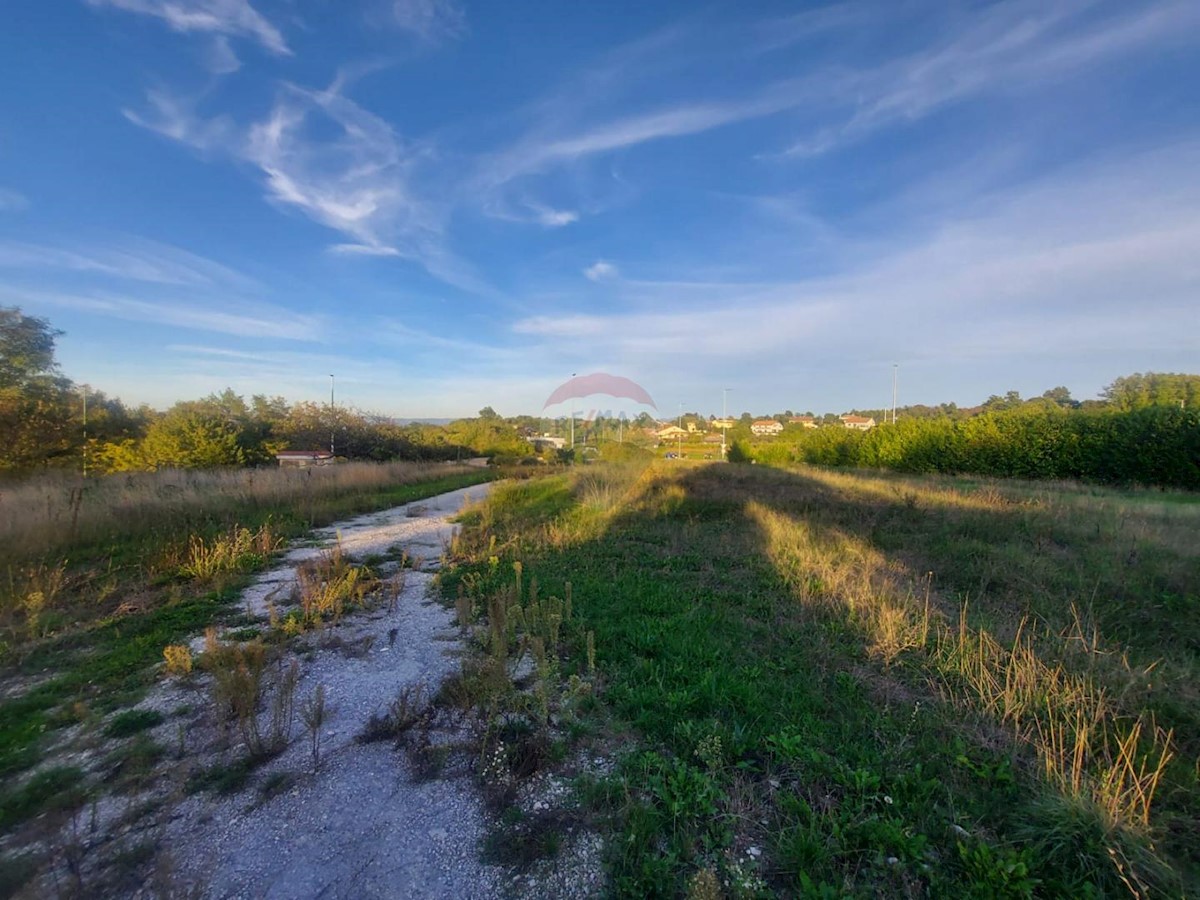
{"type": "Point", "coordinates": [26, 348]}
{"type": "Point", "coordinates": [190, 439]}
{"type": "Point", "coordinates": [39, 410]}
{"type": "Point", "coordinates": [1138, 391]}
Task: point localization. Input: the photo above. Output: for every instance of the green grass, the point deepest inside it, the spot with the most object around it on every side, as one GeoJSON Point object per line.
{"type": "Point", "coordinates": [50, 790]}
{"type": "Point", "coordinates": [132, 721]}
{"type": "Point", "coordinates": [755, 630]}
{"type": "Point", "coordinates": [102, 656]}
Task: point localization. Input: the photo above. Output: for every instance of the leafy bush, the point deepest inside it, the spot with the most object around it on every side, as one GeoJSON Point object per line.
{"type": "Point", "coordinates": [1157, 445]}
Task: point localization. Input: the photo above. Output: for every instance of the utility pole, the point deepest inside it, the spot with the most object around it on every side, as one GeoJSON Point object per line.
{"type": "Point", "coordinates": [572, 421]}
{"type": "Point", "coordinates": [84, 389]}
{"type": "Point", "coordinates": [724, 418]}
{"type": "Point", "coordinates": [679, 437]}
{"type": "Point", "coordinates": [895, 372]}
{"type": "Point", "coordinates": [332, 417]}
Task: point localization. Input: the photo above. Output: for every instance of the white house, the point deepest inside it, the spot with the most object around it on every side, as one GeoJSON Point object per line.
{"type": "Point", "coordinates": [766, 426]}
{"type": "Point", "coordinates": [860, 423]}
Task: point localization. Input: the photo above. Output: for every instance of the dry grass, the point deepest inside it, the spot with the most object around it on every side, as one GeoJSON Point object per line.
{"type": "Point", "coordinates": [44, 514]}
{"type": "Point", "coordinates": [233, 551]}
{"type": "Point", "coordinates": [1086, 745]}
{"type": "Point", "coordinates": [327, 584]}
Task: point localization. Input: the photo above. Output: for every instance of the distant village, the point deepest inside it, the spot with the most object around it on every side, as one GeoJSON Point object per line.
{"type": "Point", "coordinates": [694, 428]}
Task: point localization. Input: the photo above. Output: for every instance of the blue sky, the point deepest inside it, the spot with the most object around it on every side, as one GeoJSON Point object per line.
{"type": "Point", "coordinates": [451, 204]}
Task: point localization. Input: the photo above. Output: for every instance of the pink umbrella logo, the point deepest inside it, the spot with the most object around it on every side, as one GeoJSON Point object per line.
{"type": "Point", "coordinates": [599, 383]}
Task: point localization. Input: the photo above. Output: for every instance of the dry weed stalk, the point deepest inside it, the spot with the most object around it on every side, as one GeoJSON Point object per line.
{"type": "Point", "coordinates": [328, 583]}
{"type": "Point", "coordinates": [178, 658]}
{"type": "Point", "coordinates": [1088, 749]}
{"type": "Point", "coordinates": [238, 548]}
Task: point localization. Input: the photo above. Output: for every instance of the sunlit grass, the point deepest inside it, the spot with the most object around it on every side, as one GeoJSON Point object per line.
{"type": "Point", "coordinates": [896, 685]}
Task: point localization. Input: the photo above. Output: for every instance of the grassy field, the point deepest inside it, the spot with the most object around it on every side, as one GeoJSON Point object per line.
{"type": "Point", "coordinates": [98, 577]}
{"type": "Point", "coordinates": [828, 683]}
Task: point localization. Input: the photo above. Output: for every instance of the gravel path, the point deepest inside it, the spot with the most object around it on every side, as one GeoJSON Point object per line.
{"type": "Point", "coordinates": [361, 826]}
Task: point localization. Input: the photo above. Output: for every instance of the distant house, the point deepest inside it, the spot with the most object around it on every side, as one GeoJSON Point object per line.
{"type": "Point", "coordinates": [806, 421]}
{"type": "Point", "coordinates": [859, 423]}
{"type": "Point", "coordinates": [670, 433]}
{"type": "Point", "coordinates": [766, 426]}
{"type": "Point", "coordinates": [723, 423]}
{"type": "Point", "coordinates": [546, 442]}
{"type": "Point", "coordinates": [301, 459]}
{"type": "Point", "coordinates": [713, 439]}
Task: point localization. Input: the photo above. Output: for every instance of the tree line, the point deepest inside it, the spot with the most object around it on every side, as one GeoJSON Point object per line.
{"type": "Point", "coordinates": [1144, 429]}
{"type": "Point", "coordinates": [50, 422]}
{"type": "Point", "coordinates": [1127, 442]}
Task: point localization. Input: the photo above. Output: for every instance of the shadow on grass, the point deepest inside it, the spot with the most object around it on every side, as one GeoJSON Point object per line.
{"type": "Point", "coordinates": [852, 770]}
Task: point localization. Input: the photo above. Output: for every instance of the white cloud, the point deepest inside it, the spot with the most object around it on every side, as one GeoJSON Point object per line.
{"type": "Point", "coordinates": [234, 18]}
{"type": "Point", "coordinates": [220, 58]}
{"type": "Point", "coordinates": [363, 250]}
{"type": "Point", "coordinates": [1103, 260]}
{"type": "Point", "coordinates": [338, 164]}
{"type": "Point", "coordinates": [430, 20]}
{"type": "Point", "coordinates": [555, 218]}
{"type": "Point", "coordinates": [1007, 47]}
{"type": "Point", "coordinates": [129, 259]}
{"type": "Point", "coordinates": [258, 321]}
{"type": "Point", "coordinates": [600, 271]}
{"type": "Point", "coordinates": [11, 201]}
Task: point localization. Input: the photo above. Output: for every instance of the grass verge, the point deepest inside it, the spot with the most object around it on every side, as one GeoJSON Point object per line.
{"type": "Point", "coordinates": [863, 684]}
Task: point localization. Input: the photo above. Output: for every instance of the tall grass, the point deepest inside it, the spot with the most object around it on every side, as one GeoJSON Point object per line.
{"type": "Point", "coordinates": [1016, 657]}
{"type": "Point", "coordinates": [55, 512]}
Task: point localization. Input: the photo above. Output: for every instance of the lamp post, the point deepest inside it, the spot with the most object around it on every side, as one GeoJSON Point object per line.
{"type": "Point", "coordinates": [679, 437]}
{"type": "Point", "coordinates": [572, 421]}
{"type": "Point", "coordinates": [332, 417]}
{"type": "Point", "coordinates": [895, 373]}
{"type": "Point", "coordinates": [84, 389]}
{"type": "Point", "coordinates": [724, 418]}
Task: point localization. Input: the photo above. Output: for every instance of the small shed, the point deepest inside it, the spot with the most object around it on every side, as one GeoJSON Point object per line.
{"type": "Point", "coordinates": [301, 459]}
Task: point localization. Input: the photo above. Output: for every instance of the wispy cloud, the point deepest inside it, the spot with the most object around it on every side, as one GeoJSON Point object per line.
{"type": "Point", "coordinates": [600, 271]}
{"type": "Point", "coordinates": [341, 166]}
{"type": "Point", "coordinates": [258, 321]}
{"type": "Point", "coordinates": [129, 259]}
{"type": "Point", "coordinates": [12, 201]}
{"type": "Point", "coordinates": [430, 20]}
{"type": "Point", "coordinates": [1008, 47]}
{"type": "Point", "coordinates": [1056, 265]}
{"type": "Point", "coordinates": [1005, 47]}
{"type": "Point", "coordinates": [234, 18]}
{"type": "Point", "coordinates": [220, 58]}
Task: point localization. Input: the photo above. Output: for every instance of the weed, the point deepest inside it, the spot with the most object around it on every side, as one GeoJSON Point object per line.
{"type": "Point", "coordinates": [237, 550]}
{"type": "Point", "coordinates": [223, 778]}
{"type": "Point", "coordinates": [798, 650]}
{"type": "Point", "coordinates": [132, 721]}
{"type": "Point", "coordinates": [313, 713]}
{"type": "Point", "coordinates": [60, 788]}
{"type": "Point", "coordinates": [409, 707]}
{"type": "Point", "coordinates": [239, 686]}
{"type": "Point", "coordinates": [329, 583]}
{"type": "Point", "coordinates": [178, 658]}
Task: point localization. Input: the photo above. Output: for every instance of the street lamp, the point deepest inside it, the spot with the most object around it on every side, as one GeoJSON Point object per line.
{"type": "Point", "coordinates": [332, 417]}
{"type": "Point", "coordinates": [679, 437]}
{"type": "Point", "coordinates": [895, 373]}
{"type": "Point", "coordinates": [84, 389]}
